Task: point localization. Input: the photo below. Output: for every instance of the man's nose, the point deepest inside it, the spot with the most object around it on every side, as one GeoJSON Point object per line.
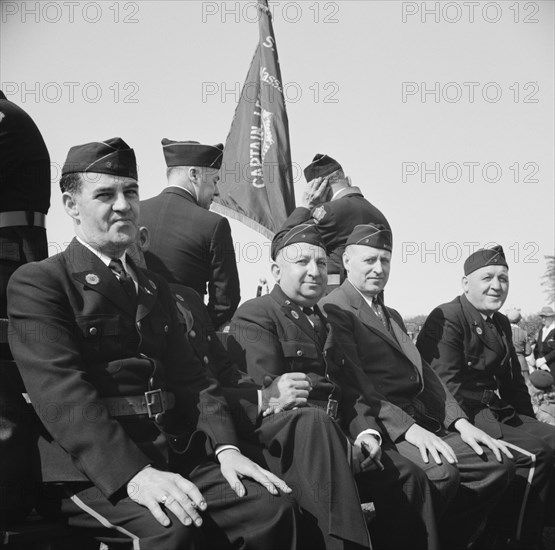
{"type": "Point", "coordinates": [121, 203]}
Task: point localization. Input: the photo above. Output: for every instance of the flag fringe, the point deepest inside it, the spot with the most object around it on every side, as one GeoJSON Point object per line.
{"type": "Point", "coordinates": [249, 222]}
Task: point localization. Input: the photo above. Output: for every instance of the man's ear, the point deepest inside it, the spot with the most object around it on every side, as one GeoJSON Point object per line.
{"type": "Point", "coordinates": [464, 284]}
{"type": "Point", "coordinates": [276, 271]}
{"type": "Point", "coordinates": [346, 261]}
{"type": "Point", "coordinates": [193, 174]}
{"type": "Point", "coordinates": [70, 205]}
{"type": "Point", "coordinates": [144, 238]}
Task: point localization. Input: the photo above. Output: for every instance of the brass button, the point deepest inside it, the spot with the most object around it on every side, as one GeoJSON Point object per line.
{"type": "Point", "coordinates": [166, 328]}
{"type": "Point", "coordinates": [209, 338]}
{"type": "Point", "coordinates": [193, 334]}
{"type": "Point", "coordinates": [93, 331]}
{"type": "Point", "coordinates": [206, 360]}
{"type": "Point", "coordinates": [470, 363]}
{"type": "Point", "coordinates": [299, 352]}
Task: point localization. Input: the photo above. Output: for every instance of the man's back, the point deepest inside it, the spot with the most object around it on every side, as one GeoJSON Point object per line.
{"type": "Point", "coordinates": [193, 247]}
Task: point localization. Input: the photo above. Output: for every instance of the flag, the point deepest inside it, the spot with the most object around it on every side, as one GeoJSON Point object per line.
{"type": "Point", "coordinates": [256, 181]}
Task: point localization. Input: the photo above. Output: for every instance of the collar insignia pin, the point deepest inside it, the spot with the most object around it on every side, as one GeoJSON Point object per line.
{"type": "Point", "coordinates": [92, 279]}
{"type": "Point", "coordinates": [479, 331]}
{"type": "Point", "coordinates": [295, 315]}
{"type": "Point", "coordinates": [152, 284]}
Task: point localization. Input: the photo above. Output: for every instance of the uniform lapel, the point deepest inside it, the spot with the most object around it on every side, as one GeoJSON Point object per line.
{"type": "Point", "coordinates": [293, 312]}
{"type": "Point", "coordinates": [409, 349]}
{"type": "Point", "coordinates": [475, 320]}
{"type": "Point", "coordinates": [89, 270]}
{"type": "Point", "coordinates": [364, 312]}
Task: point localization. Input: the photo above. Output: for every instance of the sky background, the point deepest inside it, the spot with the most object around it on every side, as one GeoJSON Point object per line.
{"type": "Point", "coordinates": [441, 112]}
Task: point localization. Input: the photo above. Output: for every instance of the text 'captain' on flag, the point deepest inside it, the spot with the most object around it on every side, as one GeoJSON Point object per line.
{"type": "Point", "coordinates": [256, 185]}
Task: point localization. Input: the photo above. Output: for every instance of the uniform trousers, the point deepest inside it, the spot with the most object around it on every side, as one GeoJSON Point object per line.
{"type": "Point", "coordinates": [529, 500]}
{"type": "Point", "coordinates": [310, 451]}
{"type": "Point", "coordinates": [257, 521]}
{"type": "Point", "coordinates": [479, 482]}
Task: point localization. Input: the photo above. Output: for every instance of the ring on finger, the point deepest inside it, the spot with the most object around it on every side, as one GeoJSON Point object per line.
{"type": "Point", "coordinates": [163, 499]}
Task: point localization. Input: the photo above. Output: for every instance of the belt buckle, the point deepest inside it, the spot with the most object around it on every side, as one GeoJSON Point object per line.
{"type": "Point", "coordinates": [154, 403]}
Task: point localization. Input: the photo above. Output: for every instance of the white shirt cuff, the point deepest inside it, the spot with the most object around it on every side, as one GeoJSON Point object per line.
{"type": "Point", "coordinates": [222, 448]}
{"type": "Point", "coordinates": [370, 431]}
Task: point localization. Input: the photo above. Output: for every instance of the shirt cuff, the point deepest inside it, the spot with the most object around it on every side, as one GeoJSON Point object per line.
{"type": "Point", "coordinates": [222, 448]}
{"type": "Point", "coordinates": [370, 431]}
{"type": "Point", "coordinates": [259, 393]}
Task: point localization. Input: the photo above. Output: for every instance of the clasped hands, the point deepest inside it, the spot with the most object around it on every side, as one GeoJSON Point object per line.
{"type": "Point", "coordinates": [159, 491]}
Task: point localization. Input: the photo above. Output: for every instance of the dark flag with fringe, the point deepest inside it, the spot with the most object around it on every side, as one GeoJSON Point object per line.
{"type": "Point", "coordinates": [256, 185]}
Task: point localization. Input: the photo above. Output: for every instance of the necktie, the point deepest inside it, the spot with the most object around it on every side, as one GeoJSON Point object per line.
{"type": "Point", "coordinates": [377, 309]}
{"type": "Point", "coordinates": [314, 319]}
{"type": "Point", "coordinates": [124, 278]}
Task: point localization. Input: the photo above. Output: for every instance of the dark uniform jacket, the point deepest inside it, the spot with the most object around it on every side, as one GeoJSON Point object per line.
{"type": "Point", "coordinates": [477, 366]}
{"type": "Point", "coordinates": [390, 367]}
{"type": "Point", "coordinates": [192, 246]}
{"type": "Point", "coordinates": [270, 336]}
{"type": "Point", "coordinates": [77, 339]}
{"type": "Point", "coordinates": [546, 348]}
{"type": "Point", "coordinates": [336, 220]}
{"type": "Point", "coordinates": [239, 389]}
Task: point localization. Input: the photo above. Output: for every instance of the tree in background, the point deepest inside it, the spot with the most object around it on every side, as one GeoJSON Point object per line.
{"type": "Point", "coordinates": [548, 279]}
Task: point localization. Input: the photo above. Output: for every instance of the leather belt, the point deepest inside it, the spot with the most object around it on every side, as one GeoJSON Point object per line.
{"type": "Point", "coordinates": [152, 403]}
{"type": "Point", "coordinates": [22, 218]}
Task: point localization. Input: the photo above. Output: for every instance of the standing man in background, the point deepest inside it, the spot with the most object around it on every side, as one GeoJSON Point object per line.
{"type": "Point", "coordinates": [544, 351]}
{"type": "Point", "coordinates": [520, 341]}
{"type": "Point", "coordinates": [332, 202]}
{"type": "Point", "coordinates": [190, 245]}
{"type": "Point", "coordinates": [24, 203]}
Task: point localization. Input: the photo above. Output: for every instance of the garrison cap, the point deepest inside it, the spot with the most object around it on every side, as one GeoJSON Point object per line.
{"type": "Point", "coordinates": [485, 257]}
{"type": "Point", "coordinates": [374, 235]}
{"type": "Point", "coordinates": [112, 156]}
{"type": "Point", "coordinates": [541, 379]}
{"type": "Point", "coordinates": [303, 233]}
{"type": "Point", "coordinates": [546, 311]}
{"type": "Point", "coordinates": [192, 153]}
{"type": "Point", "coordinates": [320, 167]}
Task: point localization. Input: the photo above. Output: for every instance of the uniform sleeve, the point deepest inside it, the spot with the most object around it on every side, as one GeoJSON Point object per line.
{"type": "Point", "coordinates": [55, 377]}
{"type": "Point", "coordinates": [223, 285]}
{"type": "Point", "coordinates": [200, 403]}
{"type": "Point", "coordinates": [441, 344]}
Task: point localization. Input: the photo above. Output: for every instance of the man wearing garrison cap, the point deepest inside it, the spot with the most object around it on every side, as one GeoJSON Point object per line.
{"type": "Point", "coordinates": [132, 452]}
{"type": "Point", "coordinates": [190, 245]}
{"type": "Point", "coordinates": [337, 207]}
{"type": "Point", "coordinates": [420, 418]}
{"type": "Point", "coordinates": [283, 336]}
{"type": "Point", "coordinates": [469, 345]}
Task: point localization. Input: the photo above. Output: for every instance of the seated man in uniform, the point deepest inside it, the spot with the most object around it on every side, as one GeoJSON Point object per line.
{"type": "Point", "coordinates": [469, 345]}
{"type": "Point", "coordinates": [141, 446]}
{"type": "Point", "coordinates": [418, 416]}
{"type": "Point", "coordinates": [283, 333]}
